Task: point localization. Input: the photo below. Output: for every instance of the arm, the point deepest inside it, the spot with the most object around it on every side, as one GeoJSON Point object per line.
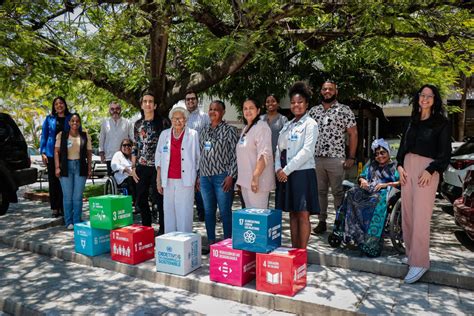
{"type": "Point", "coordinates": [57, 169]}
{"type": "Point", "coordinates": [264, 153]}
{"type": "Point", "coordinates": [352, 133]}
{"type": "Point", "coordinates": [102, 142]}
{"type": "Point", "coordinates": [232, 170]}
{"type": "Point", "coordinates": [44, 140]}
{"type": "Point", "coordinates": [89, 156]}
{"type": "Point", "coordinates": [159, 188]}
{"type": "Point", "coordinates": [135, 153]}
{"type": "Point", "coordinates": [364, 175]}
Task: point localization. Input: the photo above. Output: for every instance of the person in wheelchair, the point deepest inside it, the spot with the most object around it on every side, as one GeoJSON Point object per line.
{"type": "Point", "coordinates": [121, 165]}
{"type": "Point", "coordinates": [366, 206]}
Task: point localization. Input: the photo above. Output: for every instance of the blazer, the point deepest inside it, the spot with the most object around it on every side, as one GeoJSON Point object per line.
{"type": "Point", "coordinates": [190, 156]}
{"type": "Point", "coordinates": [48, 134]}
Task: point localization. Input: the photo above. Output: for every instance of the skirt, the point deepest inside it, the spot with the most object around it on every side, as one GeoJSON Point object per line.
{"type": "Point", "coordinates": [299, 193]}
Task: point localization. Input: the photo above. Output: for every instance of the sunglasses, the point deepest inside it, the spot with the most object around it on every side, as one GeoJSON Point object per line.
{"type": "Point", "coordinates": [127, 145]}
{"type": "Point", "coordinates": [380, 153]}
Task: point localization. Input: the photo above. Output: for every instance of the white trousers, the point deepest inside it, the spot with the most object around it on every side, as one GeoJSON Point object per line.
{"type": "Point", "coordinates": [178, 202]}
{"type": "Point", "coordinates": [255, 200]}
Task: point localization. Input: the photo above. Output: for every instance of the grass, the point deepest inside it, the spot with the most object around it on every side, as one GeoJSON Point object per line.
{"type": "Point", "coordinates": [90, 190]}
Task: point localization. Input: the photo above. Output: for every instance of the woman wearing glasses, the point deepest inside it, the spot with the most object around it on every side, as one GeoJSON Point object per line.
{"type": "Point", "coordinates": [121, 165]}
{"type": "Point", "coordinates": [177, 161]}
{"type": "Point", "coordinates": [424, 153]}
{"type": "Point", "coordinates": [366, 206]}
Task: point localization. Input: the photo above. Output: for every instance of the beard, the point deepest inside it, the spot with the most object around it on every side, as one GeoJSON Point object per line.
{"type": "Point", "coordinates": [329, 100]}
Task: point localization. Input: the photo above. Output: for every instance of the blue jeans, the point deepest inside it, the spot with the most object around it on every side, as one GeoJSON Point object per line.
{"type": "Point", "coordinates": [213, 195]}
{"type": "Point", "coordinates": [73, 189]}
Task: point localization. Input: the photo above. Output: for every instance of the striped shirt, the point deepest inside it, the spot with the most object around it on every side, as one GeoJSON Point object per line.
{"type": "Point", "coordinates": [217, 147]}
{"type": "Point", "coordinates": [197, 120]}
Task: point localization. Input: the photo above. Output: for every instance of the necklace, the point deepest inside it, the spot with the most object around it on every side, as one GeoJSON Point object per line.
{"type": "Point", "coordinates": [179, 136]}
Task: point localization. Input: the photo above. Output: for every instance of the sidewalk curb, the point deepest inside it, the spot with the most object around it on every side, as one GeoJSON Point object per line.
{"type": "Point", "coordinates": [15, 307]}
{"type": "Point", "coordinates": [191, 282]}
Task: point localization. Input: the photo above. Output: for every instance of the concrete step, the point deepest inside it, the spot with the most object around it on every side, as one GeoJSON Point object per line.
{"type": "Point", "coordinates": [31, 284]}
{"type": "Point", "coordinates": [329, 290]}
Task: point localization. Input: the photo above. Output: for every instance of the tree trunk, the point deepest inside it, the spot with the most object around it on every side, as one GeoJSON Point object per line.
{"type": "Point", "coordinates": [158, 52]}
{"type": "Point", "coordinates": [462, 115]}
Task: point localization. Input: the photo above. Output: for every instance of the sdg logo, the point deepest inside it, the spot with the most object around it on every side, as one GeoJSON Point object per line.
{"type": "Point", "coordinates": [249, 237]}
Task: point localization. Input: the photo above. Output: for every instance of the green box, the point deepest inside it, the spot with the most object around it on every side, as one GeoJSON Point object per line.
{"type": "Point", "coordinates": [110, 211]}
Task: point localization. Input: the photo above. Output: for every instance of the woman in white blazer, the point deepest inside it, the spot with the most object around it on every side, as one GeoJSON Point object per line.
{"type": "Point", "coordinates": [177, 163]}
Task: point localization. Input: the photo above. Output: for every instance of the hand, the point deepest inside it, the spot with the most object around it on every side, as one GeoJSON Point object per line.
{"type": "Point", "coordinates": [134, 175]}
{"type": "Point", "coordinates": [348, 163]}
{"type": "Point", "coordinates": [197, 186]}
{"type": "Point", "coordinates": [89, 172]}
{"type": "Point", "coordinates": [403, 175]}
{"type": "Point", "coordinates": [159, 188]}
{"type": "Point", "coordinates": [44, 158]}
{"type": "Point", "coordinates": [424, 179]}
{"type": "Point", "coordinates": [364, 184]}
{"type": "Point", "coordinates": [380, 186]}
{"type": "Point", "coordinates": [57, 172]}
{"type": "Point", "coordinates": [102, 157]}
{"type": "Point", "coordinates": [227, 184]}
{"type": "Point", "coordinates": [254, 184]}
{"type": "Point", "coordinates": [281, 176]}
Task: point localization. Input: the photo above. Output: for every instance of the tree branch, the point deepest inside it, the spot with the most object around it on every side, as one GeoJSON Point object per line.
{"type": "Point", "coordinates": [68, 7]}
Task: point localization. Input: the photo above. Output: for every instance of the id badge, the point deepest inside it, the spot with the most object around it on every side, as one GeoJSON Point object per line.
{"type": "Point", "coordinates": [293, 137]}
{"type": "Point", "coordinates": [69, 143]}
{"type": "Point", "coordinates": [165, 149]}
{"type": "Point", "coordinates": [207, 145]}
{"type": "Point", "coordinates": [242, 140]}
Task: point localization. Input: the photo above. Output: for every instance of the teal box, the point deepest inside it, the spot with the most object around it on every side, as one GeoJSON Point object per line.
{"type": "Point", "coordinates": [91, 241]}
{"type": "Point", "coordinates": [256, 230]}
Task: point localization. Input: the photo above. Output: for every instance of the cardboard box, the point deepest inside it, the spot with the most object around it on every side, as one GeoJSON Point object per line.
{"type": "Point", "coordinates": [178, 252]}
{"type": "Point", "coordinates": [231, 266]}
{"type": "Point", "coordinates": [282, 271]}
{"type": "Point", "coordinates": [132, 244]}
{"type": "Point", "coordinates": [111, 211]}
{"type": "Point", "coordinates": [91, 241]}
{"type": "Point", "coordinates": [256, 230]}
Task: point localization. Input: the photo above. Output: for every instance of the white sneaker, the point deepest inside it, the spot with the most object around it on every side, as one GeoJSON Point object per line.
{"type": "Point", "coordinates": [414, 274]}
{"type": "Point", "coordinates": [70, 226]}
{"type": "Point", "coordinates": [404, 260]}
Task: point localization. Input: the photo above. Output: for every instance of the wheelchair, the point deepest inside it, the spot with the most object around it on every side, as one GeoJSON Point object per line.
{"type": "Point", "coordinates": [392, 225]}
{"type": "Point", "coordinates": [112, 187]}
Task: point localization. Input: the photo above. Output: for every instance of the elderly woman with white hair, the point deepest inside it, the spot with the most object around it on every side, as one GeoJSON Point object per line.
{"type": "Point", "coordinates": [366, 205]}
{"type": "Point", "coordinates": [177, 162]}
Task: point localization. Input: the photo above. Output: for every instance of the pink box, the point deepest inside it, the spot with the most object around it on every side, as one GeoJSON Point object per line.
{"type": "Point", "coordinates": [231, 266]}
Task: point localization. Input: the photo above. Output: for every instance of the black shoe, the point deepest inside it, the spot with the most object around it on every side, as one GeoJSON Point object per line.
{"type": "Point", "coordinates": [321, 228]}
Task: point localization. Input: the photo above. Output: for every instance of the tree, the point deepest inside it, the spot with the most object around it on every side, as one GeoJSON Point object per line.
{"type": "Point", "coordinates": [225, 46]}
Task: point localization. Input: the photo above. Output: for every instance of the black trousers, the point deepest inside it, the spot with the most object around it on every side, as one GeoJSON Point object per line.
{"type": "Point", "coordinates": [146, 185]}
{"type": "Point", "coordinates": [131, 187]}
{"type": "Point", "coordinates": [109, 167]}
{"type": "Point", "coordinates": [55, 191]}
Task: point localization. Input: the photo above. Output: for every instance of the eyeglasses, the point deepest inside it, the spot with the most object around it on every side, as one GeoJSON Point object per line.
{"type": "Point", "coordinates": [191, 99]}
{"type": "Point", "coordinates": [380, 153]}
{"type": "Point", "coordinates": [426, 96]}
{"type": "Point", "coordinates": [180, 119]}
{"type": "Point", "coordinates": [127, 145]}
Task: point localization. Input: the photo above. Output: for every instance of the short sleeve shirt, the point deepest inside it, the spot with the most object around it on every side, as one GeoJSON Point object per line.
{"type": "Point", "coordinates": [332, 125]}
{"type": "Point", "coordinates": [73, 145]}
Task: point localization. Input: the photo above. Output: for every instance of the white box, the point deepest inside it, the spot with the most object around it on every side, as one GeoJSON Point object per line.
{"type": "Point", "coordinates": [178, 252]}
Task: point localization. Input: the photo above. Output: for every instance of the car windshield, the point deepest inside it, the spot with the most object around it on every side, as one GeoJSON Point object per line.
{"type": "Point", "coordinates": [33, 151]}
{"type": "Point", "coordinates": [466, 149]}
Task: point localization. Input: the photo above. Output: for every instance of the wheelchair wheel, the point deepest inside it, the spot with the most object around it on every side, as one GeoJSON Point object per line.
{"type": "Point", "coordinates": [334, 240]}
{"type": "Point", "coordinates": [395, 227]}
{"type": "Point", "coordinates": [110, 186]}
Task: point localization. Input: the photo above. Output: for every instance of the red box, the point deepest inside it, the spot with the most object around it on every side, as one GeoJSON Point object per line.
{"type": "Point", "coordinates": [132, 244]}
{"type": "Point", "coordinates": [231, 266]}
{"type": "Point", "coordinates": [282, 271]}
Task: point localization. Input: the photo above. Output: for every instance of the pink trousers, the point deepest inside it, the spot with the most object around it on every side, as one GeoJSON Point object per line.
{"type": "Point", "coordinates": [417, 208]}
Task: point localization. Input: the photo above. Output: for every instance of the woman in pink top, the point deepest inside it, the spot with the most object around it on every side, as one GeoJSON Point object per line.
{"type": "Point", "coordinates": [256, 177]}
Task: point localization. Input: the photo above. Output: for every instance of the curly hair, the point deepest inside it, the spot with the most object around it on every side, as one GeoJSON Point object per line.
{"type": "Point", "coordinates": [301, 88]}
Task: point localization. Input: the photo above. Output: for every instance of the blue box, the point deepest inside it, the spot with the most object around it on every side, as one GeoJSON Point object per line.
{"type": "Point", "coordinates": [91, 241]}
{"type": "Point", "coordinates": [256, 230]}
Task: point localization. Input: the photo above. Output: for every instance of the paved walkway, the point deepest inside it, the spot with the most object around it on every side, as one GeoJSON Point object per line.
{"type": "Point", "coordinates": [331, 288]}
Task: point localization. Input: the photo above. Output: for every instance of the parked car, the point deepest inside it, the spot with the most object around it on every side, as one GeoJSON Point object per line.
{"type": "Point", "coordinates": [464, 206]}
{"type": "Point", "coordinates": [15, 165]}
{"type": "Point", "coordinates": [462, 160]}
{"type": "Point", "coordinates": [37, 162]}
{"type": "Point", "coordinates": [99, 169]}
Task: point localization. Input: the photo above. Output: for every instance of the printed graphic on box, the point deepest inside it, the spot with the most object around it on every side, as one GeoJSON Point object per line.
{"type": "Point", "coordinates": [178, 252]}
{"type": "Point", "coordinates": [231, 266]}
{"type": "Point", "coordinates": [110, 211]}
{"type": "Point", "coordinates": [132, 244]}
{"type": "Point", "coordinates": [282, 271]}
{"type": "Point", "coordinates": [256, 230]}
{"type": "Point", "coordinates": [90, 241]}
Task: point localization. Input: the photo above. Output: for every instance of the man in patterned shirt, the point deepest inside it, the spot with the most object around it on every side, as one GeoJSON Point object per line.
{"type": "Point", "coordinates": [218, 171]}
{"type": "Point", "coordinates": [197, 120]}
{"type": "Point", "coordinates": [334, 120]}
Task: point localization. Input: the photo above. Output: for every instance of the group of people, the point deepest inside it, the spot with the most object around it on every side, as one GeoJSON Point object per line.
{"type": "Point", "coordinates": [196, 158]}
